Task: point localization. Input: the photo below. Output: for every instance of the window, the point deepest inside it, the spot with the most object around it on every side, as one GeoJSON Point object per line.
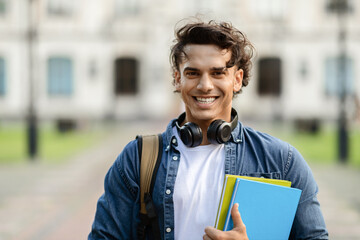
{"type": "Point", "coordinates": [339, 6]}
{"type": "Point", "coordinates": [126, 76]}
{"type": "Point", "coordinates": [332, 76]}
{"type": "Point", "coordinates": [60, 7]}
{"type": "Point", "coordinates": [2, 77]}
{"type": "Point", "coordinates": [127, 7]}
{"type": "Point", "coordinates": [269, 81]}
{"type": "Point", "coordinates": [60, 76]}
{"type": "Point", "coordinates": [3, 4]}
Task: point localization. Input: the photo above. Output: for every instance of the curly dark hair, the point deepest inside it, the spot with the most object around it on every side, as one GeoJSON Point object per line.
{"type": "Point", "coordinates": [223, 35]}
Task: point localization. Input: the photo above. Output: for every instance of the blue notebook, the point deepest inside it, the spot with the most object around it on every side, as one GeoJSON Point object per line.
{"type": "Point", "coordinates": [267, 210]}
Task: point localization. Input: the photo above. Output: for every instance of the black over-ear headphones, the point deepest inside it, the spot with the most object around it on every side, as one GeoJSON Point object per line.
{"type": "Point", "coordinates": [218, 132]}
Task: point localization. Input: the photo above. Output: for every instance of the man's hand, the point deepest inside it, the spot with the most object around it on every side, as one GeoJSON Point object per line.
{"type": "Point", "coordinates": [237, 233]}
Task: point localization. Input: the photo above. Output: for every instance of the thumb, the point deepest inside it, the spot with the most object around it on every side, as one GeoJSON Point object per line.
{"type": "Point", "coordinates": [235, 215]}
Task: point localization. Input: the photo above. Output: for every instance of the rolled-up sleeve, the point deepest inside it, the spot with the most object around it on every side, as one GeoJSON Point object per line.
{"type": "Point", "coordinates": [309, 222]}
{"type": "Point", "coordinates": [117, 210]}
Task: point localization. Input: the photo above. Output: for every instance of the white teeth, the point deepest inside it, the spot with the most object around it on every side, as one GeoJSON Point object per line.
{"type": "Point", "coordinates": [205, 100]}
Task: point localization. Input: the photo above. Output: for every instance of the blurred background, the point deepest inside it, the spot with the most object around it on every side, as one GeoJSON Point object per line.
{"type": "Point", "coordinates": [80, 79]}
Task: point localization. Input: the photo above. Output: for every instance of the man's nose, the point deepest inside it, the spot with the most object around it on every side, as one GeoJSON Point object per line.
{"type": "Point", "coordinates": [205, 83]}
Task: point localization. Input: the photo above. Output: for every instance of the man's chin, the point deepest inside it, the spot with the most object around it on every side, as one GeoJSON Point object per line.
{"type": "Point", "coordinates": [203, 117]}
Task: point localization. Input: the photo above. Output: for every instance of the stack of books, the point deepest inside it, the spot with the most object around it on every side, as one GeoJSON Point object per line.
{"type": "Point", "coordinates": [267, 206]}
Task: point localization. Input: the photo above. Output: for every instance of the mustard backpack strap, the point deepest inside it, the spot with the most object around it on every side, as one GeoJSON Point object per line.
{"type": "Point", "coordinates": [150, 152]}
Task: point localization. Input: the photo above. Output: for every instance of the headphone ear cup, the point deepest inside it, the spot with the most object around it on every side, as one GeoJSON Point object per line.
{"type": "Point", "coordinates": [191, 134]}
{"type": "Point", "coordinates": [219, 132]}
{"type": "Point", "coordinates": [212, 131]}
{"type": "Point", "coordinates": [224, 132]}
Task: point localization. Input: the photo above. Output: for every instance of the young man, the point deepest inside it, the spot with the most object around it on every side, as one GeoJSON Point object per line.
{"type": "Point", "coordinates": [211, 63]}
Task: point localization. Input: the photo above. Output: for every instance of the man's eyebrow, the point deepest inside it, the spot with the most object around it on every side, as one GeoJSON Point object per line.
{"type": "Point", "coordinates": [224, 69]}
{"type": "Point", "coordinates": [212, 69]}
{"type": "Point", "coordinates": [190, 69]}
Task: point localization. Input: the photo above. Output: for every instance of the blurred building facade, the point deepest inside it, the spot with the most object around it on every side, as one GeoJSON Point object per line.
{"type": "Point", "coordinates": [97, 59]}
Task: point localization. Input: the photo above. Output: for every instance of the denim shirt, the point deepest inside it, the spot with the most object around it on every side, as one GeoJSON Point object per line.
{"type": "Point", "coordinates": [248, 153]}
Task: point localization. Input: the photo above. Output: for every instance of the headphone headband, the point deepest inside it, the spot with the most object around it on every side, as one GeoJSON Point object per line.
{"type": "Point", "coordinates": [234, 119]}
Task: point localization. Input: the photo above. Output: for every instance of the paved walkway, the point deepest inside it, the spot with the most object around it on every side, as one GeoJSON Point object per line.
{"type": "Point", "coordinates": [339, 197]}
{"type": "Point", "coordinates": [48, 202]}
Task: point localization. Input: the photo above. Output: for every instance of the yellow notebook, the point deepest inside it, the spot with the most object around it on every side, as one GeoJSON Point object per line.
{"type": "Point", "coordinates": [228, 187]}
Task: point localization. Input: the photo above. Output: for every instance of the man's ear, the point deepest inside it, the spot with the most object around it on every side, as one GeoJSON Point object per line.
{"type": "Point", "coordinates": [239, 74]}
{"type": "Point", "coordinates": [177, 79]}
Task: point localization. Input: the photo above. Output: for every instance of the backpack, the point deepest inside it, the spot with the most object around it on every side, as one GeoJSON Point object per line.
{"type": "Point", "coordinates": [150, 152]}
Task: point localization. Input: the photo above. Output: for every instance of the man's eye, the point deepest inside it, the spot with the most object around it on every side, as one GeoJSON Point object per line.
{"type": "Point", "coordinates": [219, 73]}
{"type": "Point", "coordinates": [191, 73]}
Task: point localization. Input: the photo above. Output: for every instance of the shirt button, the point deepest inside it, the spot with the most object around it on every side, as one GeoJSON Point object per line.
{"type": "Point", "coordinates": [175, 158]}
{"type": "Point", "coordinates": [168, 191]}
{"type": "Point", "coordinates": [168, 230]}
{"type": "Point", "coordinates": [174, 140]}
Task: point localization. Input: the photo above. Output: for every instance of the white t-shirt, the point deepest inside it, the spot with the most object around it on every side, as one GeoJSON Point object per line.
{"type": "Point", "coordinates": [197, 188]}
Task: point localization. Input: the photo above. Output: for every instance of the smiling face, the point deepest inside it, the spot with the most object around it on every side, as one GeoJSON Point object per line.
{"type": "Point", "coordinates": [206, 85]}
